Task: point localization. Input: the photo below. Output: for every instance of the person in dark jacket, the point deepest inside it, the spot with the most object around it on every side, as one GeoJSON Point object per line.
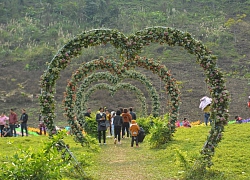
{"type": "Point", "coordinates": [88, 113]}
{"type": "Point", "coordinates": [6, 131]}
{"type": "Point", "coordinates": [117, 122]}
{"type": "Point", "coordinates": [132, 113]}
{"type": "Point", "coordinates": [24, 120]}
{"type": "Point", "coordinates": [101, 120]}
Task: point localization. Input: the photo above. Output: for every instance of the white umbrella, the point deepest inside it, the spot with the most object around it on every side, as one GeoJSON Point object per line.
{"type": "Point", "coordinates": [204, 102]}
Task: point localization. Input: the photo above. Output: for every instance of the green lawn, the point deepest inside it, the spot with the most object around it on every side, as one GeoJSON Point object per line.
{"type": "Point", "coordinates": [231, 160]}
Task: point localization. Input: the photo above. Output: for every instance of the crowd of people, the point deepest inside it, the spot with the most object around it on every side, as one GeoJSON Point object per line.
{"type": "Point", "coordinates": [8, 124]}
{"type": "Point", "coordinates": [120, 124]}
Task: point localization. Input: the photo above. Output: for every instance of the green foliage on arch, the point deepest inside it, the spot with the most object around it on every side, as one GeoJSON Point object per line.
{"type": "Point", "coordinates": [113, 89]}
{"type": "Point", "coordinates": [130, 47]}
{"type": "Point", "coordinates": [114, 79]}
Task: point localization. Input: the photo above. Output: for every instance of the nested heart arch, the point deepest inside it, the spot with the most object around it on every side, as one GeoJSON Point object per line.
{"type": "Point", "coordinates": [114, 79]}
{"type": "Point", "coordinates": [113, 89]}
{"type": "Point", "coordinates": [131, 46]}
{"type": "Point", "coordinates": [102, 63]}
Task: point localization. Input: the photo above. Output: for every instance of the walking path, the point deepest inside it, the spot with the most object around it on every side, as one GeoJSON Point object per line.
{"type": "Point", "coordinates": [122, 162]}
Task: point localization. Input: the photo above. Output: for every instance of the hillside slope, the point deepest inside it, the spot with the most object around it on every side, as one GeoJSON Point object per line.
{"type": "Point", "coordinates": [32, 32]}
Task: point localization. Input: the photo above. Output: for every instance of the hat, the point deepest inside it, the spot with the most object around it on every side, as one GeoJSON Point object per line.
{"type": "Point", "coordinates": [133, 121]}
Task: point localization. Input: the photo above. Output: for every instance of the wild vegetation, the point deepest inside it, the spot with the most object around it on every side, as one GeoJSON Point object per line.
{"type": "Point", "coordinates": [32, 32]}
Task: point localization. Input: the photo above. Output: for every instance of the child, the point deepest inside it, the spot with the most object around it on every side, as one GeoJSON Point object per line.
{"type": "Point", "coordinates": [186, 123]}
{"type": "Point", "coordinates": [134, 129]}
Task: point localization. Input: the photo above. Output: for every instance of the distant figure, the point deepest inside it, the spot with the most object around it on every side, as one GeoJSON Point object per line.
{"type": "Point", "coordinates": [101, 120]}
{"type": "Point", "coordinates": [186, 123]}
{"type": "Point", "coordinates": [12, 122]}
{"type": "Point", "coordinates": [24, 120]}
{"type": "Point", "coordinates": [112, 122]}
{"type": "Point", "coordinates": [3, 121]}
{"type": "Point", "coordinates": [177, 124]}
{"type": "Point", "coordinates": [126, 120]}
{"type": "Point", "coordinates": [134, 129]}
{"type": "Point", "coordinates": [6, 131]}
{"type": "Point", "coordinates": [117, 121]}
{"type": "Point", "coordinates": [238, 119]}
{"type": "Point", "coordinates": [108, 121]}
{"type": "Point", "coordinates": [42, 126]}
{"type": "Point", "coordinates": [88, 113]}
{"type": "Point", "coordinates": [132, 113]}
{"type": "Point", "coordinates": [205, 103]}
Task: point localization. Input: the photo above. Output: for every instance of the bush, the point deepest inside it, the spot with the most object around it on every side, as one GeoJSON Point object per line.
{"type": "Point", "coordinates": [90, 126]}
{"type": "Point", "coordinates": [146, 123]}
{"type": "Point", "coordinates": [45, 163]}
{"type": "Point", "coordinates": [160, 133]}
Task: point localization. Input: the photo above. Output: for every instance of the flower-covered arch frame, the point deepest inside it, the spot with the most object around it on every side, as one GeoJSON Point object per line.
{"type": "Point", "coordinates": [112, 89]}
{"type": "Point", "coordinates": [129, 47]}
{"type": "Point", "coordinates": [102, 63]}
{"type": "Point", "coordinates": [114, 79]}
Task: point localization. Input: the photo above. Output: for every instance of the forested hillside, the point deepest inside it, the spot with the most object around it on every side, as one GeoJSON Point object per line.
{"type": "Point", "coordinates": [31, 32]}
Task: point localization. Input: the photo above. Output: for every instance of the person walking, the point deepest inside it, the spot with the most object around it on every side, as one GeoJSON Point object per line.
{"type": "Point", "coordinates": [13, 121]}
{"type": "Point", "coordinates": [134, 129]}
{"type": "Point", "coordinates": [23, 120]}
{"type": "Point", "coordinates": [101, 120]}
{"type": "Point", "coordinates": [205, 103]}
{"type": "Point", "coordinates": [3, 119]}
{"type": "Point", "coordinates": [117, 122]}
{"type": "Point", "coordinates": [126, 121]}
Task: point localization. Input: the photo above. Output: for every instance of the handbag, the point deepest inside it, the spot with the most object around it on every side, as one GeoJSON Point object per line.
{"type": "Point", "coordinates": [103, 124]}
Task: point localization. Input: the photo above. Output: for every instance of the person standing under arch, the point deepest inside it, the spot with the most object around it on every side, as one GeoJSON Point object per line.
{"type": "Point", "coordinates": [132, 113]}
{"type": "Point", "coordinates": [117, 121]}
{"type": "Point", "coordinates": [126, 122]}
{"type": "Point", "coordinates": [101, 128]}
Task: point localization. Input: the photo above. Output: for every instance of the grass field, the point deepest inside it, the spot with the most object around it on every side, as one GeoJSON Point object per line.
{"type": "Point", "coordinates": [231, 160]}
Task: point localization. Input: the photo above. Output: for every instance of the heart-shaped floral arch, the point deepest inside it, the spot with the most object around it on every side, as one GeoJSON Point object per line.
{"type": "Point", "coordinates": [130, 47]}
{"type": "Point", "coordinates": [102, 63]}
{"type": "Point", "coordinates": [112, 89]}
{"type": "Point", "coordinates": [114, 79]}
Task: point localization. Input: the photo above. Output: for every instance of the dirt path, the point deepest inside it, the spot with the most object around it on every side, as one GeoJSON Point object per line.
{"type": "Point", "coordinates": [123, 162]}
{"type": "Point", "coordinates": [120, 161]}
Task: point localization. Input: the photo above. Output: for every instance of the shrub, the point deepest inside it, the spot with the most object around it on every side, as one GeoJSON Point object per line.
{"type": "Point", "coordinates": [45, 163]}
{"type": "Point", "coordinates": [146, 123]}
{"type": "Point", "coordinates": [160, 132]}
{"type": "Point", "coordinates": [90, 126]}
